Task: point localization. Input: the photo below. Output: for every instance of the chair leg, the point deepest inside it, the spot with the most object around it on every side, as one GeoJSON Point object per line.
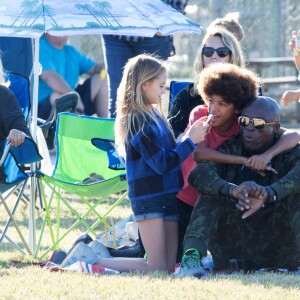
{"type": "Point", "coordinates": [47, 220]}
{"type": "Point", "coordinates": [11, 241]}
{"type": "Point", "coordinates": [80, 218]}
{"type": "Point", "coordinates": [15, 224]}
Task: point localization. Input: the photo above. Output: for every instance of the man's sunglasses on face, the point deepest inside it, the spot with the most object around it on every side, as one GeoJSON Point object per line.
{"type": "Point", "coordinates": [221, 52]}
{"type": "Point", "coordinates": [255, 122]}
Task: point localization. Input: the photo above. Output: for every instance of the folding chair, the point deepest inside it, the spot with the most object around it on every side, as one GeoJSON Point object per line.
{"type": "Point", "coordinates": [175, 87]}
{"type": "Point", "coordinates": [77, 159]}
{"type": "Point", "coordinates": [13, 160]}
{"type": "Point", "coordinates": [20, 86]}
{"type": "Point", "coordinates": [65, 103]}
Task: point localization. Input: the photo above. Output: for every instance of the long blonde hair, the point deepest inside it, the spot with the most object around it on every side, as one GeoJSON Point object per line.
{"type": "Point", "coordinates": [229, 40]}
{"type": "Point", "coordinates": [133, 108]}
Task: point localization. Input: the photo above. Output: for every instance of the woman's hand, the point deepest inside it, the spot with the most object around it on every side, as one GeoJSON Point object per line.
{"type": "Point", "coordinates": [16, 137]}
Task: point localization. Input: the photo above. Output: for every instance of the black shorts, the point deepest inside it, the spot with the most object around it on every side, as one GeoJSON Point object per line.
{"type": "Point", "coordinates": [84, 90]}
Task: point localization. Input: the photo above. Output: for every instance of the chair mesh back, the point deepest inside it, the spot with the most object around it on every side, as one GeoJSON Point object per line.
{"type": "Point", "coordinates": [76, 156]}
{"type": "Point", "coordinates": [175, 87]}
{"type": "Point", "coordinates": [19, 85]}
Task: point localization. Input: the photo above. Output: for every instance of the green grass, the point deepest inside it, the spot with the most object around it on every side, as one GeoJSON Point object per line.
{"type": "Point", "coordinates": [26, 281]}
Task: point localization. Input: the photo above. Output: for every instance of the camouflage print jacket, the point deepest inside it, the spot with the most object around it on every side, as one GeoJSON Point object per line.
{"type": "Point", "coordinates": [208, 177]}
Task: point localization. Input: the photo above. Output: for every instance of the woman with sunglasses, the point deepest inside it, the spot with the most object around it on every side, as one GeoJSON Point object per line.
{"type": "Point", "coordinates": [218, 46]}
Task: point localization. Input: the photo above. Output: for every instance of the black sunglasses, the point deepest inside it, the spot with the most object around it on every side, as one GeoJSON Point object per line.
{"type": "Point", "coordinates": [222, 51]}
{"type": "Point", "coordinates": [256, 122]}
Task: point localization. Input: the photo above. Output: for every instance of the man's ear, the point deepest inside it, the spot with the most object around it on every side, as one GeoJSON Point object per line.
{"type": "Point", "coordinates": [277, 127]}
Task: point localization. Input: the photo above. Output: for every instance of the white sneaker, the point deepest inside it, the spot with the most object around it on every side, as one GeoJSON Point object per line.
{"type": "Point", "coordinates": [100, 250]}
{"type": "Point", "coordinates": [81, 252]}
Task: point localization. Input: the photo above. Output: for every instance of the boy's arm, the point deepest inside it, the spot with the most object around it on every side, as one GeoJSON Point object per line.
{"type": "Point", "coordinates": [201, 152]}
{"type": "Point", "coordinates": [288, 139]}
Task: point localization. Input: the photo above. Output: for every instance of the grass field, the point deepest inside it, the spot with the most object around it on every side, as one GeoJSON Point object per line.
{"type": "Point", "coordinates": [26, 281]}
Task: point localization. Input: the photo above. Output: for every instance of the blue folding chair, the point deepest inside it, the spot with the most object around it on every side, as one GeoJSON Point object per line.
{"type": "Point", "coordinates": [175, 87]}
{"type": "Point", "coordinates": [14, 160]}
{"type": "Point", "coordinates": [20, 86]}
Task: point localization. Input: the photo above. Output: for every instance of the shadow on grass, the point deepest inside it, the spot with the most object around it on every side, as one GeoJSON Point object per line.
{"type": "Point", "coordinates": [266, 279]}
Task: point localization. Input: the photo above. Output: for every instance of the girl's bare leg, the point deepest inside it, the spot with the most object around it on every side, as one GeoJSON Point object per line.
{"type": "Point", "coordinates": [154, 239]}
{"type": "Point", "coordinates": [171, 230]}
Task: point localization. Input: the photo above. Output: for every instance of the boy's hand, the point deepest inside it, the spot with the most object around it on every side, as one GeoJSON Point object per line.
{"type": "Point", "coordinates": [259, 164]}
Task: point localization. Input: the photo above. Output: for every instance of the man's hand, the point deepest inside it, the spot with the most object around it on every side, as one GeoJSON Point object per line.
{"type": "Point", "coordinates": [255, 205]}
{"type": "Point", "coordinates": [250, 196]}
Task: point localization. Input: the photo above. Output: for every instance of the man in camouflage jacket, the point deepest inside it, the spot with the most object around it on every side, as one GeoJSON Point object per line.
{"type": "Point", "coordinates": [241, 214]}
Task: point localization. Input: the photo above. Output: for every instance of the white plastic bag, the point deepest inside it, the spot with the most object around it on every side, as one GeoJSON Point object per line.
{"type": "Point", "coordinates": [122, 233]}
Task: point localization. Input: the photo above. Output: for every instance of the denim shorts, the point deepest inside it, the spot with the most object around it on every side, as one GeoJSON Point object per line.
{"type": "Point", "coordinates": [164, 207]}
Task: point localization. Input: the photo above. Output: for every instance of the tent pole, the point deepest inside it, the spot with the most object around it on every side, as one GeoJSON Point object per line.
{"type": "Point", "coordinates": [33, 127]}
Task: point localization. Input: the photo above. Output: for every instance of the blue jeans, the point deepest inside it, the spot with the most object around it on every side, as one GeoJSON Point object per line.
{"type": "Point", "coordinates": [118, 51]}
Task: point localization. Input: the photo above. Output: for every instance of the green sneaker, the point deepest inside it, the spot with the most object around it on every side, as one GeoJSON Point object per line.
{"type": "Point", "coordinates": [191, 266]}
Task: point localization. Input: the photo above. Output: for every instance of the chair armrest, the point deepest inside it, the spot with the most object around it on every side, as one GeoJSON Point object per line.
{"type": "Point", "coordinates": [26, 153]}
{"type": "Point", "coordinates": [5, 152]}
{"type": "Point", "coordinates": [115, 162]}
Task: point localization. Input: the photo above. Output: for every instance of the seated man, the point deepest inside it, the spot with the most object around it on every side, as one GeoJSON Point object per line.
{"type": "Point", "coordinates": [62, 66]}
{"type": "Point", "coordinates": [240, 214]}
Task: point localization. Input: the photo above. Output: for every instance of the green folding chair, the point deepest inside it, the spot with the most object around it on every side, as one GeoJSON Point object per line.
{"type": "Point", "coordinates": [81, 169]}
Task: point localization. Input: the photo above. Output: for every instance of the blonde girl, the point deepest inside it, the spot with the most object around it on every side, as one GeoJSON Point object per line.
{"type": "Point", "coordinates": [153, 163]}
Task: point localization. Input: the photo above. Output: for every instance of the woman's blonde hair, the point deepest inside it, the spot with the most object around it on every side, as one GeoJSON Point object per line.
{"type": "Point", "coordinates": [133, 108]}
{"type": "Point", "coordinates": [231, 22]}
{"type": "Point", "coordinates": [229, 40]}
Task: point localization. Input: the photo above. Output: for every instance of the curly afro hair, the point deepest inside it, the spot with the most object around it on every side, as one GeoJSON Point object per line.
{"type": "Point", "coordinates": [235, 85]}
